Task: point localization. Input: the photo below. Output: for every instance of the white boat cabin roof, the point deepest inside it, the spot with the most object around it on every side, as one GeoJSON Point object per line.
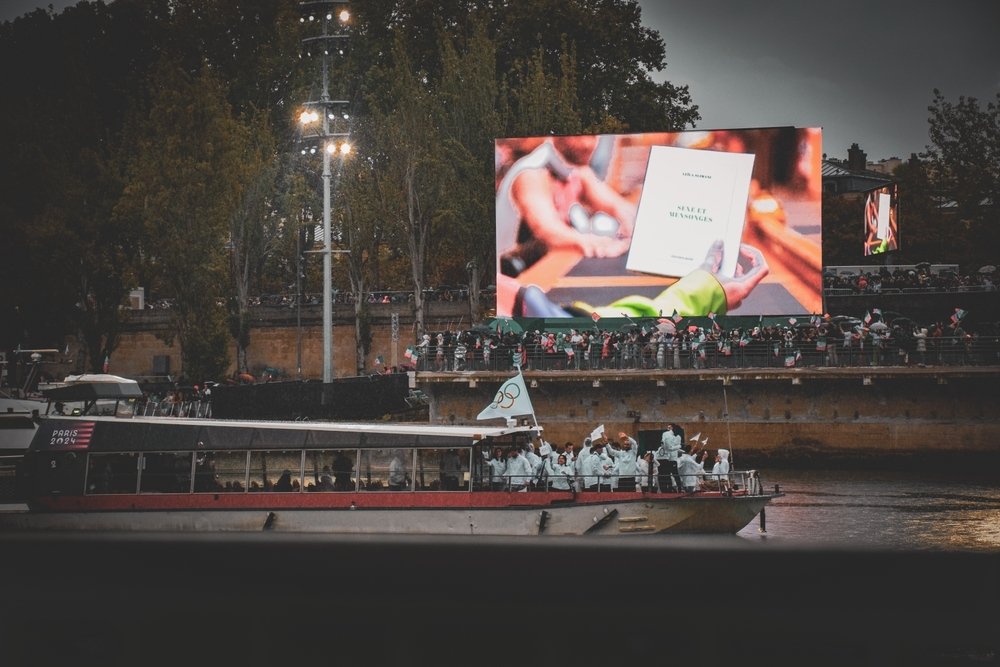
{"type": "Point", "coordinates": [116, 433]}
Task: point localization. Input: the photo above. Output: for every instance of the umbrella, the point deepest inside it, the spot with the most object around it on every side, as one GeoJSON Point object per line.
{"type": "Point", "coordinates": [878, 326]}
{"type": "Point", "coordinates": [505, 324]}
{"type": "Point", "coordinates": [666, 326]}
{"type": "Point", "coordinates": [989, 268]}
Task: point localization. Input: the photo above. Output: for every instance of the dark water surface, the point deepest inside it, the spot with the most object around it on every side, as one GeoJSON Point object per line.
{"type": "Point", "coordinates": [856, 568]}
{"type": "Point", "coordinates": [891, 510]}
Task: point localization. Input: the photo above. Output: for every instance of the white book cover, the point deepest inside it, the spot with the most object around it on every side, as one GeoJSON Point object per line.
{"type": "Point", "coordinates": [883, 215]}
{"type": "Point", "coordinates": [690, 198]}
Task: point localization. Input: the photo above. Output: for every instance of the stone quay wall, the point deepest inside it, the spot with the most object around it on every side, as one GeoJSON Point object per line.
{"type": "Point", "coordinates": [275, 335]}
{"type": "Point", "coordinates": [794, 415]}
{"type": "Point", "coordinates": [802, 414]}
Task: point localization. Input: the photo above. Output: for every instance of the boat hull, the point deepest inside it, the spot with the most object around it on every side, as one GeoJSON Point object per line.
{"type": "Point", "coordinates": [599, 514]}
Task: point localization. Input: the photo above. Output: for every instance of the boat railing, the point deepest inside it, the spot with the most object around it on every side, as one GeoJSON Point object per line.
{"type": "Point", "coordinates": [196, 409]}
{"type": "Point", "coordinates": [741, 482]}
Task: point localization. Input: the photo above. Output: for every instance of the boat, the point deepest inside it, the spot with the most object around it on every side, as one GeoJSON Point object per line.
{"type": "Point", "coordinates": [189, 474]}
{"type": "Point", "coordinates": [18, 420]}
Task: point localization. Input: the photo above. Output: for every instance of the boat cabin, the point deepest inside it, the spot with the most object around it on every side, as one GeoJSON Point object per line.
{"type": "Point", "coordinates": [107, 456]}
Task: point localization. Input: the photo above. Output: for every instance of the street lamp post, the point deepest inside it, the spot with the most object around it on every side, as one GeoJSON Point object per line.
{"type": "Point", "coordinates": [327, 11]}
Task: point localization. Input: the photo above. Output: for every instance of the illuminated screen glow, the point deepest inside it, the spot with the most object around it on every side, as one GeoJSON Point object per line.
{"type": "Point", "coordinates": [569, 209]}
{"type": "Point", "coordinates": [881, 220]}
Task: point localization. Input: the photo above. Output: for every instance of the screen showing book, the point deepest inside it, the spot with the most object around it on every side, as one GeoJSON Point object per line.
{"type": "Point", "coordinates": [723, 221]}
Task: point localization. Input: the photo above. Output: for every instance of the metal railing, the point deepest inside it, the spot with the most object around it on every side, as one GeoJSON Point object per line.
{"type": "Point", "coordinates": [195, 409]}
{"type": "Point", "coordinates": [741, 482]}
{"type": "Point", "coordinates": [943, 351]}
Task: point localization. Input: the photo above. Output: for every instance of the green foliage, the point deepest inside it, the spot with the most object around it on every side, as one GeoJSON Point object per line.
{"type": "Point", "coordinates": [964, 164]}
{"type": "Point", "coordinates": [184, 184]}
{"type": "Point", "coordinates": [161, 137]}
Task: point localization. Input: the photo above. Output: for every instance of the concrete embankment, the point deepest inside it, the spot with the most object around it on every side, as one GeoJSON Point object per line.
{"type": "Point", "coordinates": [851, 416]}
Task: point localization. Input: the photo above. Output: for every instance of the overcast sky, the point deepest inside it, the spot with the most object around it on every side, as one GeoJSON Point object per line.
{"type": "Point", "coordinates": [863, 70]}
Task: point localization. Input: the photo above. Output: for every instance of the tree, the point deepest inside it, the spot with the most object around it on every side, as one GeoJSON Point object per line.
{"type": "Point", "coordinates": [412, 173]}
{"type": "Point", "coordinates": [184, 186]}
{"type": "Point", "coordinates": [69, 80]}
{"type": "Point", "coordinates": [614, 52]}
{"type": "Point", "coordinates": [359, 228]}
{"type": "Point", "coordinates": [964, 162]}
{"type": "Point", "coordinates": [925, 233]}
{"type": "Point", "coordinates": [472, 118]}
{"type": "Point", "coordinates": [254, 226]}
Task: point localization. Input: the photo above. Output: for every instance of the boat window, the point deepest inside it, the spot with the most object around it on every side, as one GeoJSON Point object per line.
{"type": "Point", "coordinates": [112, 473]}
{"type": "Point", "coordinates": [60, 473]}
{"type": "Point", "coordinates": [165, 472]}
{"type": "Point", "coordinates": [276, 470]}
{"type": "Point", "coordinates": [331, 470]}
{"type": "Point", "coordinates": [386, 469]}
{"type": "Point", "coordinates": [220, 472]}
{"type": "Point", "coordinates": [442, 470]}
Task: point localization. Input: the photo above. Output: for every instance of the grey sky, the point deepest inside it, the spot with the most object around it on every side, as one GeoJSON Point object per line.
{"type": "Point", "coordinates": [864, 70]}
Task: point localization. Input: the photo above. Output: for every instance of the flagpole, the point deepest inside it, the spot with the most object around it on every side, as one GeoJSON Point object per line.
{"type": "Point", "coordinates": [533, 417]}
{"type": "Point", "coordinates": [729, 433]}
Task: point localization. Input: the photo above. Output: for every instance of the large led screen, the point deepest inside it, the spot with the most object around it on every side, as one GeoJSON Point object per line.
{"type": "Point", "coordinates": [881, 221]}
{"type": "Point", "coordinates": [657, 224]}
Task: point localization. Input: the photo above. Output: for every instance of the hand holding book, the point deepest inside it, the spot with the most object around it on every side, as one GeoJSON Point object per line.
{"type": "Point", "coordinates": [751, 268]}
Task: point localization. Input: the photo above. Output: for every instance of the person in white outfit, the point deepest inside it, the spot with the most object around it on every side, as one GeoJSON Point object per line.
{"type": "Point", "coordinates": [625, 462]}
{"type": "Point", "coordinates": [560, 474]}
{"type": "Point", "coordinates": [666, 460]}
{"type": "Point", "coordinates": [597, 470]}
{"type": "Point", "coordinates": [719, 479]}
{"type": "Point", "coordinates": [578, 464]}
{"type": "Point", "coordinates": [647, 480]}
{"type": "Point", "coordinates": [690, 471]}
{"type": "Point", "coordinates": [518, 471]}
{"type": "Point", "coordinates": [498, 469]}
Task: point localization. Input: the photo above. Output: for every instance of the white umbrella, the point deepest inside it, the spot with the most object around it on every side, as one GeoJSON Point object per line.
{"type": "Point", "coordinates": [989, 268]}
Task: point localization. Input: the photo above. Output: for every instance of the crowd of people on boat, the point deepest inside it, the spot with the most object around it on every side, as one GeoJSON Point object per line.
{"type": "Point", "coordinates": [814, 341]}
{"type": "Point", "coordinates": [605, 464]}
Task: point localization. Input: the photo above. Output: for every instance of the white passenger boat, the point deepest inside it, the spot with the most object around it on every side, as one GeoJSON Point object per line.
{"type": "Point", "coordinates": [163, 473]}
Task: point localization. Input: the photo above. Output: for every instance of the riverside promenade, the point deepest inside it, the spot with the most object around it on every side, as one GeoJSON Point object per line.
{"type": "Point", "coordinates": [850, 415]}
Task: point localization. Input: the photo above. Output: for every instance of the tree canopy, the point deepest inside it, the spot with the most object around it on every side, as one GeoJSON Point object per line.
{"type": "Point", "coordinates": [153, 143]}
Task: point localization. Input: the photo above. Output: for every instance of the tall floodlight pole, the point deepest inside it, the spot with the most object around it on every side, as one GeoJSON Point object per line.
{"type": "Point", "coordinates": [328, 140]}
{"type": "Point", "coordinates": [327, 256]}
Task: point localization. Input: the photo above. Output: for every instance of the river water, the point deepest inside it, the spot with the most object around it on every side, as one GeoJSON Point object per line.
{"type": "Point", "coordinates": [881, 509]}
{"type": "Point", "coordinates": [856, 568]}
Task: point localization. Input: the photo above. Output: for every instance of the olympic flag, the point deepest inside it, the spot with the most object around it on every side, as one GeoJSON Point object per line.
{"type": "Point", "coordinates": [511, 400]}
